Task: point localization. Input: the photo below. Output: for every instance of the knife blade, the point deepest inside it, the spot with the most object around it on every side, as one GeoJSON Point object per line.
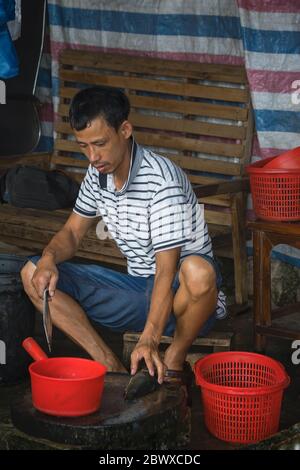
{"type": "Point", "coordinates": [47, 322]}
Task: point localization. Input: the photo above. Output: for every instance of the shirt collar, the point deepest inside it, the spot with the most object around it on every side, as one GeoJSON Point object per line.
{"type": "Point", "coordinates": [106, 181]}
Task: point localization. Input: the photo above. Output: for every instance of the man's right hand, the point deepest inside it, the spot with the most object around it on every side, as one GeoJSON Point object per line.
{"type": "Point", "coordinates": [45, 277]}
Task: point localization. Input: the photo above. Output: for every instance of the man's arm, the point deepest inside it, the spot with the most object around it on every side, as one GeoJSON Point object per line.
{"type": "Point", "coordinates": [62, 246]}
{"type": "Point", "coordinates": [160, 309]}
{"type": "Point", "coordinates": [65, 243]}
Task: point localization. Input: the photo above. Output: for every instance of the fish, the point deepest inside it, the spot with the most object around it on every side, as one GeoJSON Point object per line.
{"type": "Point", "coordinates": [140, 385]}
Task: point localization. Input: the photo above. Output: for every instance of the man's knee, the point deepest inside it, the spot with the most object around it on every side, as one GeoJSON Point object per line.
{"type": "Point", "coordinates": [26, 275]}
{"type": "Point", "coordinates": [198, 276]}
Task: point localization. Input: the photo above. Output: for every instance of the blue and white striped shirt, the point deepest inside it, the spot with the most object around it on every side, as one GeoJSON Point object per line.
{"type": "Point", "coordinates": [155, 210]}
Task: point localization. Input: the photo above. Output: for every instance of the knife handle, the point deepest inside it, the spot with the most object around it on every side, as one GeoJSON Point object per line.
{"type": "Point", "coordinates": [33, 349]}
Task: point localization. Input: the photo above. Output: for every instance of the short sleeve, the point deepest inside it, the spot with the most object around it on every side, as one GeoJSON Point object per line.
{"type": "Point", "coordinates": [170, 217]}
{"type": "Point", "coordinates": [86, 204]}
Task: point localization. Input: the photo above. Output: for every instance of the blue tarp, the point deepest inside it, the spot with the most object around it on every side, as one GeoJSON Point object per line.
{"type": "Point", "coordinates": [9, 65]}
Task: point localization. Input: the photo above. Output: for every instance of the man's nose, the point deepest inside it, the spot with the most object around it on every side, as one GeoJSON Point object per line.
{"type": "Point", "coordinates": [93, 156]}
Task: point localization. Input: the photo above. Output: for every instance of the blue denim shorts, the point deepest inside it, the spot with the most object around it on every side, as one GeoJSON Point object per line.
{"type": "Point", "coordinates": [115, 300]}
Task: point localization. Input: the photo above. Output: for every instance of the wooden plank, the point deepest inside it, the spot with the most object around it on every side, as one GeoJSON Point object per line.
{"type": "Point", "coordinates": [39, 159]}
{"type": "Point", "coordinates": [43, 236]}
{"type": "Point", "coordinates": [222, 201]}
{"type": "Point", "coordinates": [223, 187]}
{"type": "Point", "coordinates": [66, 145]}
{"type": "Point", "coordinates": [277, 332]}
{"type": "Point", "coordinates": [239, 247]}
{"type": "Point", "coordinates": [205, 164]}
{"type": "Point", "coordinates": [35, 246]}
{"type": "Point", "coordinates": [187, 126]}
{"type": "Point", "coordinates": [183, 143]}
{"type": "Point", "coordinates": [215, 338]}
{"type": "Point", "coordinates": [218, 230]}
{"type": "Point", "coordinates": [166, 141]}
{"type": "Point", "coordinates": [69, 161]}
{"type": "Point", "coordinates": [189, 163]}
{"type": "Point", "coordinates": [197, 108]}
{"type": "Point", "coordinates": [216, 217]}
{"type": "Point", "coordinates": [149, 65]}
{"type": "Point", "coordinates": [203, 179]}
{"type": "Point", "coordinates": [248, 141]}
{"type": "Point", "coordinates": [221, 93]}
{"type": "Point", "coordinates": [176, 125]}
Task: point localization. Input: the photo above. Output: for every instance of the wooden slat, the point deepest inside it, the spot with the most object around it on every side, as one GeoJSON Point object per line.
{"type": "Point", "coordinates": [221, 93]}
{"type": "Point", "coordinates": [33, 228]}
{"type": "Point", "coordinates": [183, 143]}
{"type": "Point", "coordinates": [175, 125]}
{"type": "Point", "coordinates": [167, 141]}
{"type": "Point", "coordinates": [217, 338]}
{"type": "Point", "coordinates": [216, 217]}
{"type": "Point", "coordinates": [36, 245]}
{"type": "Point", "coordinates": [234, 186]}
{"type": "Point", "coordinates": [204, 179]}
{"type": "Point", "coordinates": [223, 201]}
{"type": "Point", "coordinates": [198, 108]}
{"type": "Point", "coordinates": [206, 165]}
{"type": "Point", "coordinates": [234, 113]}
{"type": "Point", "coordinates": [218, 230]}
{"type": "Point", "coordinates": [188, 163]}
{"type": "Point", "coordinates": [68, 161]}
{"type": "Point", "coordinates": [187, 126]}
{"type": "Point", "coordinates": [248, 142]}
{"type": "Point", "coordinates": [67, 146]}
{"type": "Point", "coordinates": [149, 65]}
{"type": "Point", "coordinates": [40, 159]}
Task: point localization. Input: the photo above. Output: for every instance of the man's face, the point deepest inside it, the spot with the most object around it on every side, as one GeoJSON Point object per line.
{"type": "Point", "coordinates": [104, 147]}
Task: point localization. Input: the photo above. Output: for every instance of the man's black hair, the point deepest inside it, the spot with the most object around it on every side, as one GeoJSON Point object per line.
{"type": "Point", "coordinates": [111, 104]}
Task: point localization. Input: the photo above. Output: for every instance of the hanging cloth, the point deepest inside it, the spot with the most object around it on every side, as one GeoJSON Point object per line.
{"type": "Point", "coordinates": [9, 64]}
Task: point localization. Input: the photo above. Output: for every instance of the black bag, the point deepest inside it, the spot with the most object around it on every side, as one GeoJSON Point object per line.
{"type": "Point", "coordinates": [34, 188]}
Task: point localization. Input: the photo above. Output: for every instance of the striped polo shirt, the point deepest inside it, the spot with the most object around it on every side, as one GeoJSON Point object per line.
{"type": "Point", "coordinates": [155, 210]}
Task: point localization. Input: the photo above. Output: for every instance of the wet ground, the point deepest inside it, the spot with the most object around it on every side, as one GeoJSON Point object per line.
{"type": "Point", "coordinates": [201, 439]}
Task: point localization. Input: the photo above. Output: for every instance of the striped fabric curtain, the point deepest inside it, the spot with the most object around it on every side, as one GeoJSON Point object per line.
{"type": "Point", "coordinates": [271, 40]}
{"type": "Point", "coordinates": [263, 34]}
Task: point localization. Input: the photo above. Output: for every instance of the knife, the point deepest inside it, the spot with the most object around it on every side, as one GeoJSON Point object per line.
{"type": "Point", "coordinates": [47, 322]}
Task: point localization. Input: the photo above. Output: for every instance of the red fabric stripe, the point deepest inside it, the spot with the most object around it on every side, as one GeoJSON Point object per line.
{"type": "Point", "coordinates": [57, 47]}
{"type": "Point", "coordinates": [46, 112]}
{"type": "Point", "coordinates": [271, 6]}
{"type": "Point", "coordinates": [271, 152]}
{"type": "Point", "coordinates": [272, 82]}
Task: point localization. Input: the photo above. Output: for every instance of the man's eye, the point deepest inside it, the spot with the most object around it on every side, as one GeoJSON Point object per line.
{"type": "Point", "coordinates": [100, 144]}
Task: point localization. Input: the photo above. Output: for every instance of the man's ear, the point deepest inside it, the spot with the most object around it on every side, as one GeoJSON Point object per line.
{"type": "Point", "coordinates": [126, 129]}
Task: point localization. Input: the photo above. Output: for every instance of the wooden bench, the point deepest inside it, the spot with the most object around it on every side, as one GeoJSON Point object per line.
{"type": "Point", "coordinates": [199, 115]}
{"type": "Point", "coordinates": [215, 341]}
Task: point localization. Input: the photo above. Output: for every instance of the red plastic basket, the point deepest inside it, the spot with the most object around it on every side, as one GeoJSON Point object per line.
{"type": "Point", "coordinates": [241, 394]}
{"type": "Point", "coordinates": [275, 192]}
